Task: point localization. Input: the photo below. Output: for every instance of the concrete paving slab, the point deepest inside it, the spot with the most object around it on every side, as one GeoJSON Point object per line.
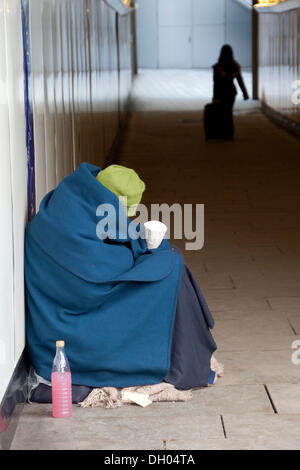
{"type": "Point", "coordinates": [259, 367]}
{"type": "Point", "coordinates": [235, 399]}
{"type": "Point", "coordinates": [245, 300]}
{"type": "Point", "coordinates": [285, 303]}
{"type": "Point", "coordinates": [239, 314]}
{"type": "Point", "coordinates": [91, 426]}
{"type": "Point", "coordinates": [253, 324]}
{"type": "Point", "coordinates": [281, 430]}
{"type": "Point", "coordinates": [258, 443]}
{"type": "Point", "coordinates": [294, 319]}
{"type": "Point", "coordinates": [286, 397]}
{"type": "Point", "coordinates": [261, 342]}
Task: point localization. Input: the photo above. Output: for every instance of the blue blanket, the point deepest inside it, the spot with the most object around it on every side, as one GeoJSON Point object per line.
{"type": "Point", "coordinates": [112, 301]}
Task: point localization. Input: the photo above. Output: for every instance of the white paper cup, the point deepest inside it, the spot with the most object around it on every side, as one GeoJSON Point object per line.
{"type": "Point", "coordinates": [154, 233]}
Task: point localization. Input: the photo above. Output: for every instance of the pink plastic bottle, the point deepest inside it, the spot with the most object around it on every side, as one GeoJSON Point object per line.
{"type": "Point", "coordinates": [61, 383]}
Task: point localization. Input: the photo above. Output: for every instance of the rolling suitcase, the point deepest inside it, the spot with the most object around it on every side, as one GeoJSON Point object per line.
{"type": "Point", "coordinates": [218, 121]}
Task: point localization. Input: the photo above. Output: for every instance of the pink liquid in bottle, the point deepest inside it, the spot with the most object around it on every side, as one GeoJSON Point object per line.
{"type": "Point", "coordinates": [61, 381]}
{"type": "Point", "coordinates": [61, 394]}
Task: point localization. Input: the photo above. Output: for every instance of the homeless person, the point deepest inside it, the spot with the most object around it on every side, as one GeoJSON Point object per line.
{"type": "Point", "coordinates": [129, 315]}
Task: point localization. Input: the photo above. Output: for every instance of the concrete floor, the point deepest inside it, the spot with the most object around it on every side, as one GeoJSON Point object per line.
{"type": "Point", "coordinates": [249, 271]}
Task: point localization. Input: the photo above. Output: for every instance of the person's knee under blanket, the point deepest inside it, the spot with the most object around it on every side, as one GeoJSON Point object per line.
{"type": "Point", "coordinates": [130, 316]}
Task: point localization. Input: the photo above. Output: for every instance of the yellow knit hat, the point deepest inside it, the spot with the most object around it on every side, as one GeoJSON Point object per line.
{"type": "Point", "coordinates": [123, 181]}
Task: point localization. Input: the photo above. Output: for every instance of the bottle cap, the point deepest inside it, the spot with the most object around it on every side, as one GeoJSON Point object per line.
{"type": "Point", "coordinates": [60, 344]}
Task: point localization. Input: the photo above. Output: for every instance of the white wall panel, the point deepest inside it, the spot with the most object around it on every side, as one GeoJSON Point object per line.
{"type": "Point", "coordinates": [208, 12]}
{"type": "Point", "coordinates": [6, 217]}
{"type": "Point", "coordinates": [49, 103]}
{"type": "Point", "coordinates": [175, 33]}
{"type": "Point", "coordinates": [175, 47]}
{"type": "Point", "coordinates": [38, 98]}
{"type": "Point", "coordinates": [58, 91]}
{"type": "Point", "coordinates": [112, 77]}
{"type": "Point", "coordinates": [239, 32]}
{"type": "Point", "coordinates": [236, 13]}
{"type": "Point", "coordinates": [147, 33]}
{"type": "Point", "coordinates": [238, 35]}
{"type": "Point", "coordinates": [97, 98]}
{"type": "Point", "coordinates": [208, 55]}
{"type": "Point", "coordinates": [279, 59]}
{"type": "Point", "coordinates": [66, 67]}
{"type": "Point", "coordinates": [13, 179]}
{"type": "Point", "coordinates": [83, 82]}
{"type": "Point", "coordinates": [125, 48]}
{"type": "Point", "coordinates": [14, 58]}
{"type": "Point", "coordinates": [174, 12]}
{"type": "Point", "coordinates": [104, 57]}
{"type": "Point", "coordinates": [77, 80]}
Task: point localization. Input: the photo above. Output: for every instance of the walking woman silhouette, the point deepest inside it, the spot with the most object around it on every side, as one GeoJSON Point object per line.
{"type": "Point", "coordinates": [226, 70]}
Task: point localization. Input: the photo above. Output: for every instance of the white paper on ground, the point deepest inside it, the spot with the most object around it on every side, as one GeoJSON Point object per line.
{"type": "Point", "coordinates": [135, 397]}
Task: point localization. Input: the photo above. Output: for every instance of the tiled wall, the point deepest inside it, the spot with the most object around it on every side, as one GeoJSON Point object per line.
{"type": "Point", "coordinates": [279, 58]}
{"type": "Point", "coordinates": [79, 61]}
{"type": "Point", "coordinates": [81, 73]}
